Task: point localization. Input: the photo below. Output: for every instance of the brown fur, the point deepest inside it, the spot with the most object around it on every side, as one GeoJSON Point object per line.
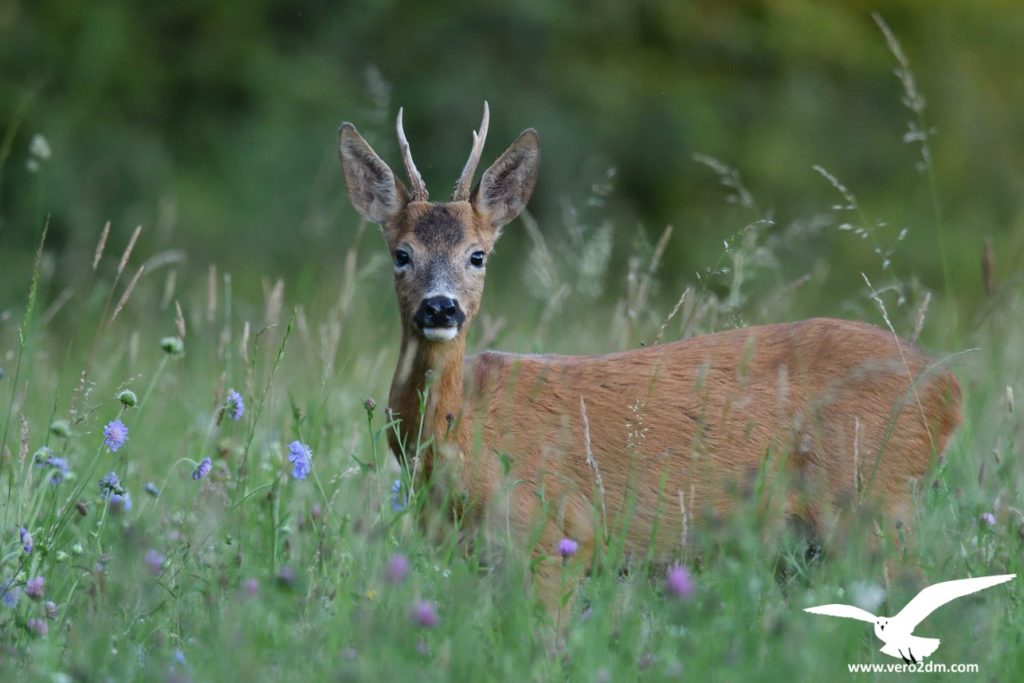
{"type": "Point", "coordinates": [847, 411]}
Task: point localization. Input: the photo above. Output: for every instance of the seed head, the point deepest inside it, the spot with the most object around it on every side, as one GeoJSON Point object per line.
{"type": "Point", "coordinates": [60, 428]}
{"type": "Point", "coordinates": [173, 346]}
{"type": "Point", "coordinates": [369, 404]}
{"type": "Point", "coordinates": [127, 397]}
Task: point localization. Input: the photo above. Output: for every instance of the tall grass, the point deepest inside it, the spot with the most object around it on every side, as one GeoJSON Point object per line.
{"type": "Point", "coordinates": [251, 573]}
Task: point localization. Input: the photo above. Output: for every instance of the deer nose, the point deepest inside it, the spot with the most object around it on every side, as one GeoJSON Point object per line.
{"type": "Point", "coordinates": [440, 311]}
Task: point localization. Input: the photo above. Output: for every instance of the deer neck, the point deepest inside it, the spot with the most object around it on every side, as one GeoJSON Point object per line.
{"type": "Point", "coordinates": [431, 372]}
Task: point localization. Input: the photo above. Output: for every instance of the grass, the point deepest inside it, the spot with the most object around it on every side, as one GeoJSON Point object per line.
{"type": "Point", "coordinates": [251, 574]}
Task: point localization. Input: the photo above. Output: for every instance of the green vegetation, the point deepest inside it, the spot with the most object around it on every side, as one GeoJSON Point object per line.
{"type": "Point", "coordinates": [212, 126]}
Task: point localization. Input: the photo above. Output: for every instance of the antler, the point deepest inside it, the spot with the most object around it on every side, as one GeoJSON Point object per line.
{"type": "Point", "coordinates": [419, 188]}
{"type": "Point", "coordinates": [465, 183]}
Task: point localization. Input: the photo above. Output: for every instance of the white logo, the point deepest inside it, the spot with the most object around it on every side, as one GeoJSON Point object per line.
{"type": "Point", "coordinates": [898, 632]}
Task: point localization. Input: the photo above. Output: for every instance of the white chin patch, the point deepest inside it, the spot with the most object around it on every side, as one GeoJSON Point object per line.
{"type": "Point", "coordinates": [440, 334]}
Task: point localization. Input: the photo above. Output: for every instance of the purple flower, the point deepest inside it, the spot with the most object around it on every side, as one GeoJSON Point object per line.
{"type": "Point", "coordinates": [251, 587]}
{"type": "Point", "coordinates": [202, 469]}
{"type": "Point", "coordinates": [35, 588]}
{"type": "Point", "coordinates": [26, 540]}
{"type": "Point", "coordinates": [9, 593]}
{"type": "Point", "coordinates": [235, 405]}
{"type": "Point", "coordinates": [120, 502]}
{"type": "Point", "coordinates": [114, 435]}
{"type": "Point", "coordinates": [110, 484]}
{"type": "Point", "coordinates": [38, 627]}
{"type": "Point", "coordinates": [299, 454]}
{"type": "Point", "coordinates": [567, 548]}
{"type": "Point", "coordinates": [424, 613]}
{"type": "Point", "coordinates": [152, 489]}
{"type": "Point", "coordinates": [154, 561]}
{"type": "Point", "coordinates": [286, 576]}
{"type": "Point", "coordinates": [397, 569]}
{"type": "Point", "coordinates": [678, 581]}
{"type": "Point", "coordinates": [988, 519]}
{"type": "Point", "coordinates": [46, 458]}
{"type": "Point", "coordinates": [50, 609]}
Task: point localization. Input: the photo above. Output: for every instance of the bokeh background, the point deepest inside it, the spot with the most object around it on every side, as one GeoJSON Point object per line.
{"type": "Point", "coordinates": [213, 124]}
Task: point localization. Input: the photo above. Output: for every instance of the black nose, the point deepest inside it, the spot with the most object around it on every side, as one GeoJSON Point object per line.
{"type": "Point", "coordinates": [440, 311]}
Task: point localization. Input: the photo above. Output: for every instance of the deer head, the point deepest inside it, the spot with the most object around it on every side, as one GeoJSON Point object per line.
{"type": "Point", "coordinates": [440, 249]}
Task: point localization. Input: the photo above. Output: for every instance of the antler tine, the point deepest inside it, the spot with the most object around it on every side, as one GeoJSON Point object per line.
{"type": "Point", "coordinates": [465, 183]}
{"type": "Point", "coordinates": [419, 188]}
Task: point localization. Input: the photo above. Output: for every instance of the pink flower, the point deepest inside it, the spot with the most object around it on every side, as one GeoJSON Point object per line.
{"type": "Point", "coordinates": [424, 613]}
{"type": "Point", "coordinates": [678, 582]}
{"type": "Point", "coordinates": [35, 588]}
{"type": "Point", "coordinates": [397, 569]}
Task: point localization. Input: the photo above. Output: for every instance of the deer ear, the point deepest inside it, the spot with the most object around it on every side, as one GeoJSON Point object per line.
{"type": "Point", "coordinates": [375, 192]}
{"type": "Point", "coordinates": [506, 186]}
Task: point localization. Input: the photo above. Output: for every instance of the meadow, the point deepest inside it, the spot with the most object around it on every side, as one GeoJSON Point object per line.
{"type": "Point", "coordinates": [196, 484]}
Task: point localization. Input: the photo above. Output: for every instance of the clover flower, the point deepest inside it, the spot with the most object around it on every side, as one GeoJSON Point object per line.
{"type": "Point", "coordinates": [26, 540]}
{"type": "Point", "coordinates": [35, 588]}
{"type": "Point", "coordinates": [424, 613]}
{"type": "Point", "coordinates": [299, 454]}
{"type": "Point", "coordinates": [678, 581]}
{"type": "Point", "coordinates": [397, 569]}
{"type": "Point", "coordinates": [202, 469]}
{"type": "Point", "coordinates": [114, 435]}
{"type": "Point", "coordinates": [38, 627]}
{"type": "Point", "coordinates": [567, 548]}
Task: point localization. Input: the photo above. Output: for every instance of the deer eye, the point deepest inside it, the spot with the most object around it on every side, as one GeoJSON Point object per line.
{"type": "Point", "coordinates": [477, 259]}
{"type": "Point", "coordinates": [402, 258]}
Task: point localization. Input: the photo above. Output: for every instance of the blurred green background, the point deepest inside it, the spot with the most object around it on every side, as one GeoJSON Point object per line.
{"type": "Point", "coordinates": [213, 125]}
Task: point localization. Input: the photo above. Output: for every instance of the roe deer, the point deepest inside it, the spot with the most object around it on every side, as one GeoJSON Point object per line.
{"type": "Point", "coordinates": [852, 411]}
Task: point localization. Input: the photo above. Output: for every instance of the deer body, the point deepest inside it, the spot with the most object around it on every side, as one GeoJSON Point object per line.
{"type": "Point", "coordinates": [666, 434]}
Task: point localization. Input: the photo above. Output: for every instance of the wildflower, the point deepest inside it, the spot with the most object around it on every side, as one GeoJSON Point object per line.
{"type": "Point", "coordinates": [50, 609]}
{"type": "Point", "coordinates": [286, 576]}
{"type": "Point", "coordinates": [154, 561]}
{"type": "Point", "coordinates": [567, 548]}
{"type": "Point", "coordinates": [39, 147]}
{"type": "Point", "coordinates": [424, 613]}
{"type": "Point", "coordinates": [398, 502]}
{"type": "Point", "coordinates": [38, 627]}
{"type": "Point", "coordinates": [110, 485]}
{"type": "Point", "coordinates": [202, 469]}
{"type": "Point", "coordinates": [251, 587]}
{"type": "Point", "coordinates": [9, 593]}
{"type": "Point", "coordinates": [44, 457]}
{"type": "Point", "coordinates": [127, 397]}
{"type": "Point", "coordinates": [26, 540]}
{"type": "Point", "coordinates": [299, 454]}
{"type": "Point", "coordinates": [988, 519]}
{"type": "Point", "coordinates": [120, 502]}
{"type": "Point", "coordinates": [397, 569]}
{"type": "Point", "coordinates": [235, 405]}
{"type": "Point", "coordinates": [172, 346]}
{"type": "Point", "coordinates": [679, 582]}
{"type": "Point", "coordinates": [152, 489]}
{"type": "Point", "coordinates": [114, 435]}
{"type": "Point", "coordinates": [369, 404]}
{"type": "Point", "coordinates": [35, 588]}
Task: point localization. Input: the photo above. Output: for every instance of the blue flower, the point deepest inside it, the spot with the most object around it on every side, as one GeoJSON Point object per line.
{"type": "Point", "coordinates": [120, 502]}
{"type": "Point", "coordinates": [26, 540]}
{"type": "Point", "coordinates": [299, 454]}
{"type": "Point", "coordinates": [235, 405]}
{"type": "Point", "coordinates": [112, 490]}
{"type": "Point", "coordinates": [9, 593]}
{"type": "Point", "coordinates": [202, 469]}
{"type": "Point", "coordinates": [114, 435]}
{"type": "Point", "coordinates": [398, 501]}
{"type": "Point", "coordinates": [152, 489]}
{"type": "Point", "coordinates": [46, 458]}
{"type": "Point", "coordinates": [110, 484]}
